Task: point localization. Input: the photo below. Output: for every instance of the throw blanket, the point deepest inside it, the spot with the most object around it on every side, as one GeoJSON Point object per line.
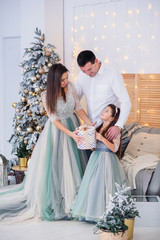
{"type": "Point", "coordinates": [132, 166]}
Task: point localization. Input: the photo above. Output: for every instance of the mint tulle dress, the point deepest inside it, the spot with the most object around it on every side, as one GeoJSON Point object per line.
{"type": "Point", "coordinates": [54, 173]}
{"type": "Point", "coordinates": [102, 171]}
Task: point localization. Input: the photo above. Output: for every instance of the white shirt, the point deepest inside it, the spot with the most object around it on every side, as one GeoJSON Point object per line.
{"type": "Point", "coordinates": [106, 87]}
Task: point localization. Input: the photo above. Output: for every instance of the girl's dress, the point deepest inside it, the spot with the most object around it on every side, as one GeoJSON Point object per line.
{"type": "Point", "coordinates": [102, 172]}
{"type": "Point", "coordinates": [55, 170]}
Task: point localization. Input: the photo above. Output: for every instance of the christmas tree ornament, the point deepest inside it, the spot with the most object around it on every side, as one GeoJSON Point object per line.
{"type": "Point", "coordinates": [39, 128]}
{"type": "Point", "coordinates": [20, 64]}
{"type": "Point", "coordinates": [29, 129]}
{"type": "Point", "coordinates": [37, 90]}
{"type": "Point", "coordinates": [26, 91]}
{"type": "Point", "coordinates": [38, 76]}
{"type": "Point", "coordinates": [23, 99]}
{"type": "Point", "coordinates": [24, 70]}
{"type": "Point", "coordinates": [19, 117]}
{"type": "Point", "coordinates": [26, 142]}
{"type": "Point", "coordinates": [37, 102]}
{"type": "Point", "coordinates": [19, 129]}
{"type": "Point", "coordinates": [41, 71]}
{"type": "Point", "coordinates": [29, 111]}
{"type": "Point", "coordinates": [17, 110]}
{"type": "Point", "coordinates": [33, 79]}
{"type": "Point", "coordinates": [49, 64]}
{"type": "Point", "coordinates": [42, 111]}
{"type": "Point", "coordinates": [30, 93]}
{"type": "Point", "coordinates": [14, 104]}
{"type": "Point", "coordinates": [33, 66]}
{"type": "Point", "coordinates": [29, 50]}
{"type": "Point", "coordinates": [48, 54]}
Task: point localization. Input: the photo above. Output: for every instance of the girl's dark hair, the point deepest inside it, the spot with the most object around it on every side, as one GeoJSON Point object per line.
{"type": "Point", "coordinates": [115, 114]}
{"type": "Point", "coordinates": [85, 57]}
{"type": "Point", "coordinates": [54, 85]}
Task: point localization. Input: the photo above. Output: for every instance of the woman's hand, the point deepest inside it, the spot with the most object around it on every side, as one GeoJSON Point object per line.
{"type": "Point", "coordinates": [99, 136]}
{"type": "Point", "coordinates": [77, 139]}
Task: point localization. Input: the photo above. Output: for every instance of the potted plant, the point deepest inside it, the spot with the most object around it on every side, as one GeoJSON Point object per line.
{"type": "Point", "coordinates": [124, 201]}
{"type": "Point", "coordinates": [114, 225]}
{"type": "Point", "coordinates": [22, 154]}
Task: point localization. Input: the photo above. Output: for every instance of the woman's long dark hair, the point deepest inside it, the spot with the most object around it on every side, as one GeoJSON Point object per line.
{"type": "Point", "coordinates": [54, 85]}
{"type": "Point", "coordinates": [115, 114]}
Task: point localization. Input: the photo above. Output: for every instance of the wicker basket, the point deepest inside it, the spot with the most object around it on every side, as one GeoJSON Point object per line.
{"type": "Point", "coordinates": [88, 132]}
{"type": "Point", "coordinates": [111, 236]}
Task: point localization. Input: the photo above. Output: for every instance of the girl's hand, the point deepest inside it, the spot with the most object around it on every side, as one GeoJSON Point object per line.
{"type": "Point", "coordinates": [98, 136]}
{"type": "Point", "coordinates": [93, 124]}
{"type": "Point", "coordinates": [77, 139]}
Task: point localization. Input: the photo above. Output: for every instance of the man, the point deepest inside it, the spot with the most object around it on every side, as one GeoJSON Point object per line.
{"type": "Point", "coordinates": [101, 86]}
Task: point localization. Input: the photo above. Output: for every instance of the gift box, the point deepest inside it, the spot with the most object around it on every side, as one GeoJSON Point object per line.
{"type": "Point", "coordinates": [89, 137]}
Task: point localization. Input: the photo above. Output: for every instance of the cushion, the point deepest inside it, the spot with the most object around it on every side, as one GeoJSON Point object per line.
{"type": "Point", "coordinates": [143, 143]}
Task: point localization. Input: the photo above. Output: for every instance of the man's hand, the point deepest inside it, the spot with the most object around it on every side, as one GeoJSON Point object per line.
{"type": "Point", "coordinates": [113, 132]}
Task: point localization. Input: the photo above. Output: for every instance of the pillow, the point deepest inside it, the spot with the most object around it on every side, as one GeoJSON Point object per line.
{"type": "Point", "coordinates": [129, 129]}
{"type": "Point", "coordinates": [143, 143]}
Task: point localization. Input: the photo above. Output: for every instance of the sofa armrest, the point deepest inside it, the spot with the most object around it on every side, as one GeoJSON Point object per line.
{"type": "Point", "coordinates": [154, 185]}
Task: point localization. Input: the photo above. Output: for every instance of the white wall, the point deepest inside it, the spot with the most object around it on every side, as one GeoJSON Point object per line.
{"type": "Point", "coordinates": [54, 25]}
{"type": "Point", "coordinates": [9, 70]}
{"type": "Point", "coordinates": [32, 16]}
{"type": "Point", "coordinates": [123, 33]}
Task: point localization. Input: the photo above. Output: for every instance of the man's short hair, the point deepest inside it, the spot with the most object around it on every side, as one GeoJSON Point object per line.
{"type": "Point", "coordinates": [85, 57]}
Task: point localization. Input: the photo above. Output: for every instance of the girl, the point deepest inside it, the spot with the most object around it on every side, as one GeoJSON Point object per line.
{"type": "Point", "coordinates": [102, 171]}
{"type": "Point", "coordinates": [56, 165]}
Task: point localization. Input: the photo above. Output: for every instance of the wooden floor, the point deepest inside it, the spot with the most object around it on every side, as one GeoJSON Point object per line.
{"type": "Point", "coordinates": [65, 230]}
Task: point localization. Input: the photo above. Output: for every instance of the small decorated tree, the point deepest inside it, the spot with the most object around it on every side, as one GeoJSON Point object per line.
{"type": "Point", "coordinates": [30, 116]}
{"type": "Point", "coordinates": [120, 207]}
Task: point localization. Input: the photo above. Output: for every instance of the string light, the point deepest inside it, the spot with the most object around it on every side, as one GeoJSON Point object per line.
{"type": "Point", "coordinates": [113, 25]}
{"type": "Point", "coordinates": [92, 14]}
{"type": "Point", "coordinates": [126, 57]}
{"type": "Point", "coordinates": [110, 31]}
{"type": "Point", "coordinates": [82, 28]}
{"type": "Point", "coordinates": [106, 60]}
{"type": "Point", "coordinates": [149, 6]}
{"type": "Point", "coordinates": [130, 12]}
{"type": "Point", "coordinates": [127, 24]}
{"type": "Point", "coordinates": [137, 11]}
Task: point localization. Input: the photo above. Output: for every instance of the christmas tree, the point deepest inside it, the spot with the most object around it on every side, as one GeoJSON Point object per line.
{"type": "Point", "coordinates": [30, 116]}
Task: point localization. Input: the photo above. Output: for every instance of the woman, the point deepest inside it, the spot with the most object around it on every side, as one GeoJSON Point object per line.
{"type": "Point", "coordinates": [102, 171]}
{"type": "Point", "coordinates": [56, 165]}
